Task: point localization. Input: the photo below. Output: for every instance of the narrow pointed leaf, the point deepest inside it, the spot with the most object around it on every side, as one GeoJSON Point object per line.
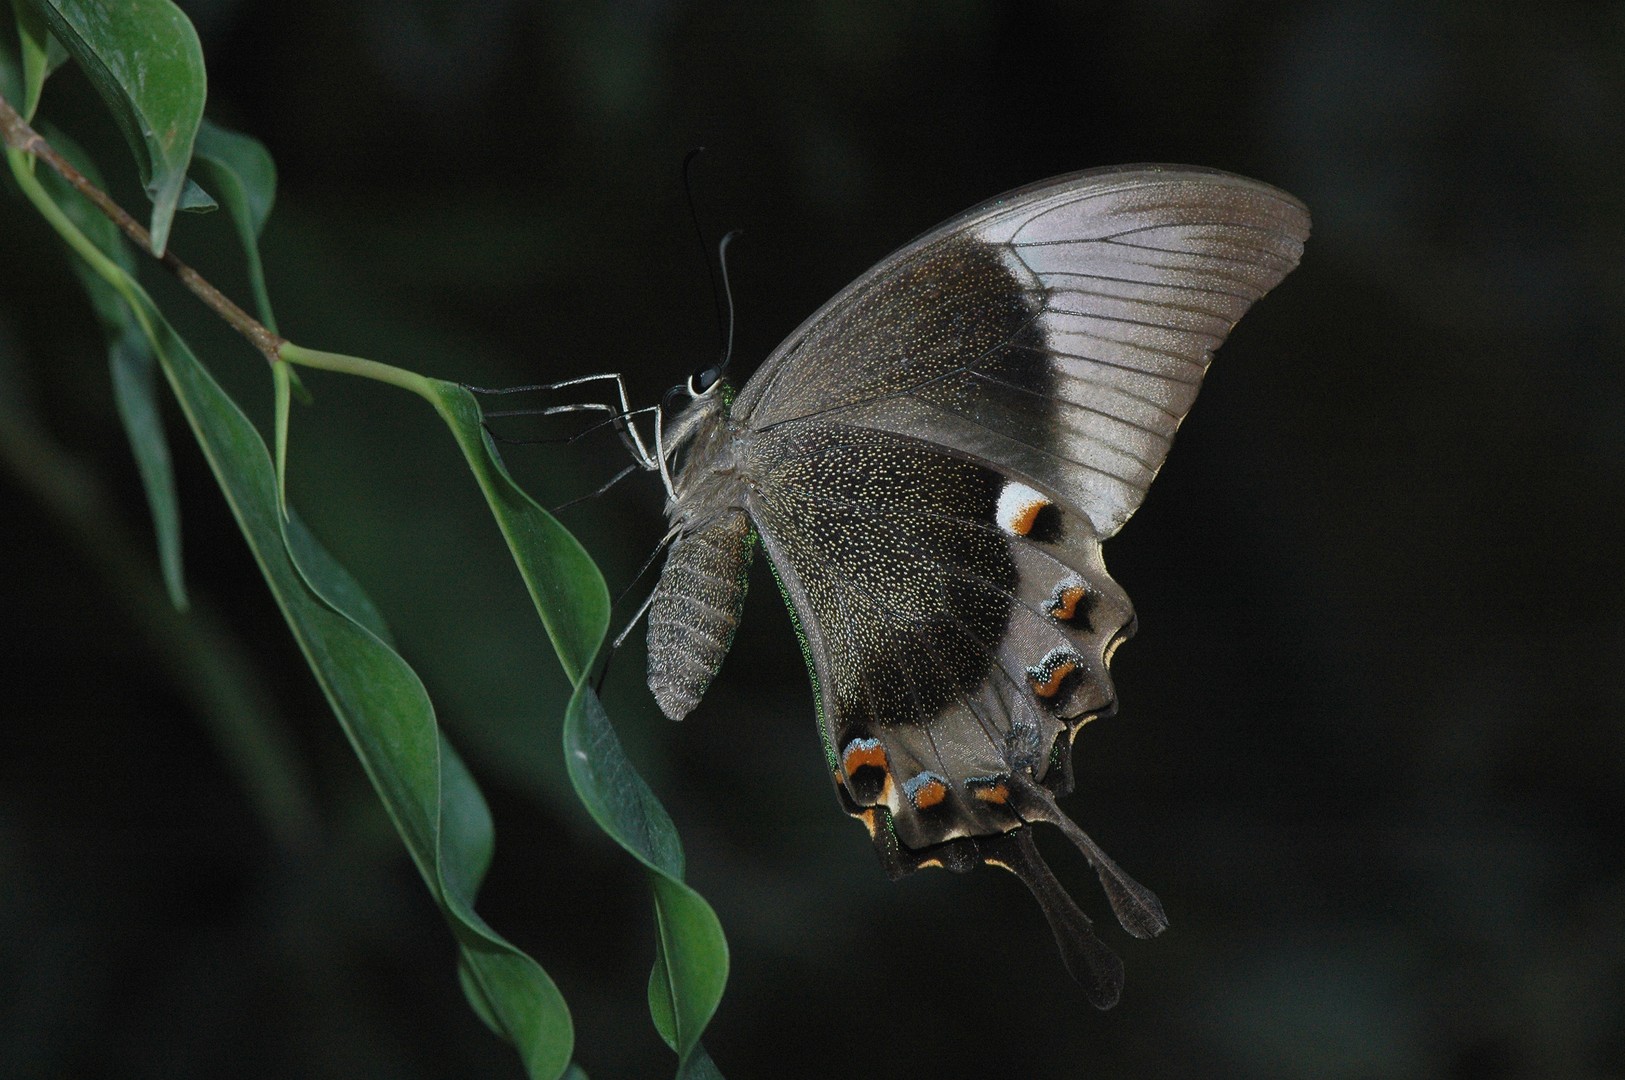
{"type": "Point", "coordinates": [135, 392]}
{"type": "Point", "coordinates": [131, 363]}
{"type": "Point", "coordinates": [386, 714]}
{"type": "Point", "coordinates": [41, 54]}
{"type": "Point", "coordinates": [691, 961]}
{"type": "Point", "coordinates": [242, 174]}
{"type": "Point", "coordinates": [451, 840]}
{"type": "Point", "coordinates": [699, 1066]}
{"type": "Point", "coordinates": [691, 967]}
{"type": "Point", "coordinates": [564, 583]}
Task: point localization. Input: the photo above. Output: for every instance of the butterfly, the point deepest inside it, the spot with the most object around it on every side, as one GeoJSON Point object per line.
{"type": "Point", "coordinates": [930, 464]}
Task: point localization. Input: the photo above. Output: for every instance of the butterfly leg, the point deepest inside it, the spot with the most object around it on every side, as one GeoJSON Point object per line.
{"type": "Point", "coordinates": [620, 412]}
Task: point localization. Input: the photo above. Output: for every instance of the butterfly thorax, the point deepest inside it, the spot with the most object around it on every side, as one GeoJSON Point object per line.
{"type": "Point", "coordinates": [704, 451]}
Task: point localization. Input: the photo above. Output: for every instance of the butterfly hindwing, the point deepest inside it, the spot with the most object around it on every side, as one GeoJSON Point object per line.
{"type": "Point", "coordinates": [879, 542]}
{"type": "Point", "coordinates": [961, 622]}
{"type": "Point", "coordinates": [959, 625]}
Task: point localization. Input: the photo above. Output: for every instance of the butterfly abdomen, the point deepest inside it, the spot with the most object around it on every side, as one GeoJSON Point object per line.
{"type": "Point", "coordinates": [696, 609]}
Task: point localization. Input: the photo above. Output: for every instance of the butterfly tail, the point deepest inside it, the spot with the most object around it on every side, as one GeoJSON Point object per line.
{"type": "Point", "coordinates": [1087, 958]}
{"type": "Point", "coordinates": [1135, 906]}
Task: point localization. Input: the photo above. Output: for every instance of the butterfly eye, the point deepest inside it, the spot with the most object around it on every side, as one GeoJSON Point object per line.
{"type": "Point", "coordinates": [701, 382]}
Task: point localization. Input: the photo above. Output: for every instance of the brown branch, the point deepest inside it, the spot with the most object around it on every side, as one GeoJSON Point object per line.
{"type": "Point", "coordinates": [19, 135]}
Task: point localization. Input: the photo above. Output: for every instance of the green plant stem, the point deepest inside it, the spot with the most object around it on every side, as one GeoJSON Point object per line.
{"type": "Point", "coordinates": [21, 139]}
{"type": "Point", "coordinates": [23, 143]}
{"type": "Point", "coordinates": [358, 365]}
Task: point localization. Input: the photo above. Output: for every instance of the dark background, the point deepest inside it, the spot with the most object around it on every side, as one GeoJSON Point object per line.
{"type": "Point", "coordinates": [1370, 751]}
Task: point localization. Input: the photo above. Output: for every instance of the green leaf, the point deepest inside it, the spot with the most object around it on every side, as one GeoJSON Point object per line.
{"type": "Point", "coordinates": [194, 200]}
{"type": "Point", "coordinates": [144, 59]}
{"type": "Point", "coordinates": [341, 589]}
{"type": "Point", "coordinates": [240, 169]}
{"type": "Point", "coordinates": [699, 1066]}
{"type": "Point", "coordinates": [135, 391]}
{"type": "Point", "coordinates": [691, 961]}
{"type": "Point", "coordinates": [691, 966]}
{"type": "Point", "coordinates": [564, 583]}
{"type": "Point", "coordinates": [612, 791]}
{"type": "Point", "coordinates": [244, 174]}
{"type": "Point", "coordinates": [387, 716]}
{"type": "Point", "coordinates": [130, 361]}
{"type": "Point", "coordinates": [662, 1010]}
{"type": "Point", "coordinates": [378, 699]}
{"type": "Point", "coordinates": [91, 221]}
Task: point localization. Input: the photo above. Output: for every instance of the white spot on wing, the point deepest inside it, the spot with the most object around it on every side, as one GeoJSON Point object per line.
{"type": "Point", "coordinates": [1018, 504]}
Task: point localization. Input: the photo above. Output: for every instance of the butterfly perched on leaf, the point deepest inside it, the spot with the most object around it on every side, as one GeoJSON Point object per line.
{"type": "Point", "coordinates": [930, 464]}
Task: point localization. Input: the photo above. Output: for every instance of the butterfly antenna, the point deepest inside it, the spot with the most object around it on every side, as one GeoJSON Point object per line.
{"type": "Point", "coordinates": [721, 294]}
{"type": "Point", "coordinates": [1135, 906]}
{"type": "Point", "coordinates": [728, 301]}
{"type": "Point", "coordinates": [699, 234]}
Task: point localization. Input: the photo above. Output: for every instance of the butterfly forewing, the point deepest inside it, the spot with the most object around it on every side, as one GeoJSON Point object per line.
{"type": "Point", "coordinates": [931, 462]}
{"type": "Point", "coordinates": [1130, 277]}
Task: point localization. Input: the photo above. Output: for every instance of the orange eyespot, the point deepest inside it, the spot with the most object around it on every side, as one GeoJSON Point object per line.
{"type": "Point", "coordinates": [1022, 521]}
{"type": "Point", "coordinates": [1019, 507]}
{"type": "Point", "coordinates": [863, 753]}
{"type": "Point", "coordinates": [1048, 677]}
{"type": "Point", "coordinates": [1064, 606]}
{"type": "Point", "coordinates": [1049, 684]}
{"type": "Point", "coordinates": [926, 790]}
{"type": "Point", "coordinates": [867, 769]}
{"type": "Point", "coordinates": [990, 789]}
